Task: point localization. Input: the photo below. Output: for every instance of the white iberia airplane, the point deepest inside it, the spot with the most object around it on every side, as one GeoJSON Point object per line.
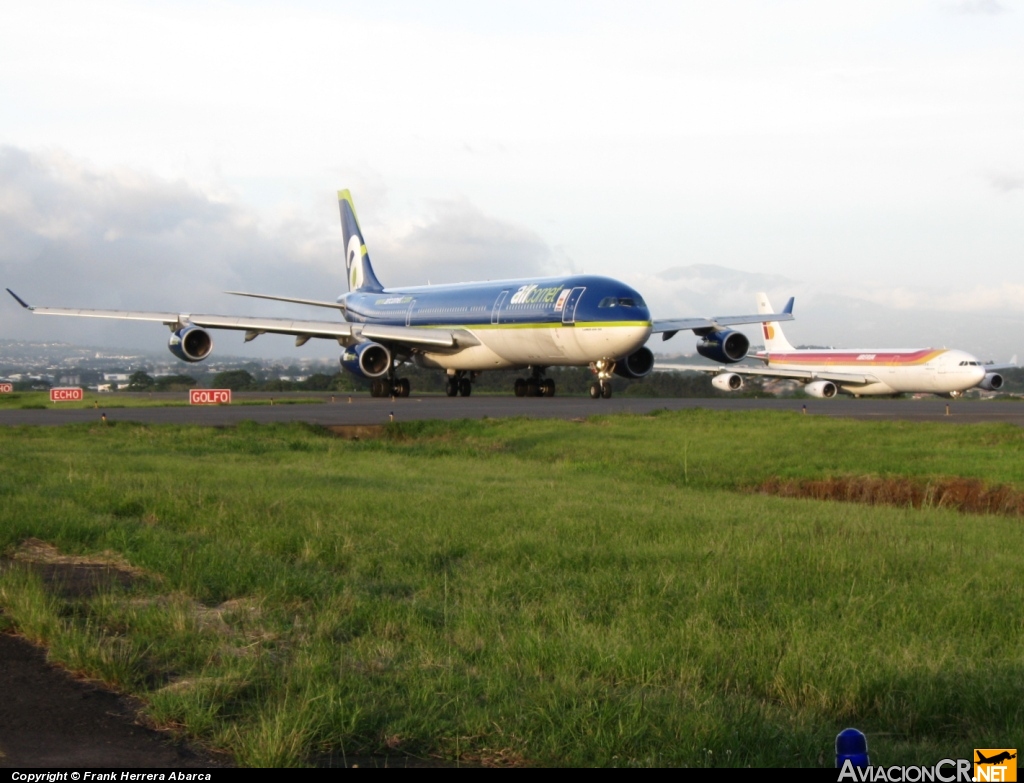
{"type": "Point", "coordinates": [861, 371]}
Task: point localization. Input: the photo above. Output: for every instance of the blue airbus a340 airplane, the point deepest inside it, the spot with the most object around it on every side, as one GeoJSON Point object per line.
{"type": "Point", "coordinates": [464, 329]}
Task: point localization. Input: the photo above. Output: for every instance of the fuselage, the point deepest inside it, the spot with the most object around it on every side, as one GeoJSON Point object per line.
{"type": "Point", "coordinates": [889, 370]}
{"type": "Point", "coordinates": [571, 320]}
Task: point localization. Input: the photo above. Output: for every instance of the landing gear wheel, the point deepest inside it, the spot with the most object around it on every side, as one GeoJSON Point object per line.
{"type": "Point", "coordinates": [465, 387]}
{"type": "Point", "coordinates": [379, 388]}
{"type": "Point", "coordinates": [547, 387]}
{"type": "Point", "coordinates": [520, 387]}
{"type": "Point", "coordinates": [595, 390]}
{"type": "Point", "coordinates": [452, 387]}
{"type": "Point", "coordinates": [532, 388]}
{"type": "Point", "coordinates": [402, 387]}
{"type": "Point", "coordinates": [606, 390]}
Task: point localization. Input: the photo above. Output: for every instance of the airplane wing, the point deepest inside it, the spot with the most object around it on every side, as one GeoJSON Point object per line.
{"type": "Point", "coordinates": [255, 326]}
{"type": "Point", "coordinates": [1010, 365]}
{"type": "Point", "coordinates": [669, 326]}
{"type": "Point", "coordinates": [796, 375]}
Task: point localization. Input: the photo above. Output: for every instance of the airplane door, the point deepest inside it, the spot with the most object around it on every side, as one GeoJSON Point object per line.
{"type": "Point", "coordinates": [569, 308]}
{"type": "Point", "coordinates": [498, 304]}
{"type": "Point", "coordinates": [408, 313]}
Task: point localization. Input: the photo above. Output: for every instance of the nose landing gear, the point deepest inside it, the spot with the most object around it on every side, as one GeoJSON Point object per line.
{"type": "Point", "coordinates": [602, 387]}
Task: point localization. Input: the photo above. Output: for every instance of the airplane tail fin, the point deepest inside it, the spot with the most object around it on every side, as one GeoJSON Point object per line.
{"type": "Point", "coordinates": [774, 340]}
{"type": "Point", "coordinates": [357, 259]}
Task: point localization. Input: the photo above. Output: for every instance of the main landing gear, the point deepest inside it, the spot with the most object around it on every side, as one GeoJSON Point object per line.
{"type": "Point", "coordinates": [536, 385]}
{"type": "Point", "coordinates": [602, 387]}
{"type": "Point", "coordinates": [459, 384]}
{"type": "Point", "coordinates": [390, 387]}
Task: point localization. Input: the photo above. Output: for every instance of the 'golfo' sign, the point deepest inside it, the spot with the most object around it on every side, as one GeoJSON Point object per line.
{"type": "Point", "coordinates": [6, 388]}
{"type": "Point", "coordinates": [209, 396]}
{"type": "Point", "coordinates": [67, 394]}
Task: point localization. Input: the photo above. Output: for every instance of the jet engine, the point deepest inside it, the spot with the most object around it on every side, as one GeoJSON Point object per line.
{"type": "Point", "coordinates": [636, 365]}
{"type": "Point", "coordinates": [992, 381]}
{"type": "Point", "coordinates": [367, 360]}
{"type": "Point", "coordinates": [724, 345]}
{"type": "Point", "coordinates": [727, 381]}
{"type": "Point", "coordinates": [191, 344]}
{"type": "Point", "coordinates": [824, 389]}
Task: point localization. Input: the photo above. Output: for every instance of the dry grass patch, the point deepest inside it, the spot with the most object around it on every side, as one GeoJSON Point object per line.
{"type": "Point", "coordinates": [32, 550]}
{"type": "Point", "coordinates": [75, 576]}
{"type": "Point", "coordinates": [970, 496]}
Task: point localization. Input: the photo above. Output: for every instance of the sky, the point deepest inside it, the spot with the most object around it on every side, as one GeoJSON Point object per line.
{"type": "Point", "coordinates": [866, 157]}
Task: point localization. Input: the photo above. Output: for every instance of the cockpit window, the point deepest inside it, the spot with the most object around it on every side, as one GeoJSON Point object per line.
{"type": "Point", "coordinates": [621, 301]}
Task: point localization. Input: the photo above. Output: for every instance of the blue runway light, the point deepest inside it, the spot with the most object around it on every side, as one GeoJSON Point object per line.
{"type": "Point", "coordinates": [853, 745]}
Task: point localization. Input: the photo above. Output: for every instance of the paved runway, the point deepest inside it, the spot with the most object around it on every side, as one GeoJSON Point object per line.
{"type": "Point", "coordinates": [367, 410]}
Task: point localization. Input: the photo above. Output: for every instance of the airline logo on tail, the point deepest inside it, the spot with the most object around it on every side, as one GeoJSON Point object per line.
{"type": "Point", "coordinates": [357, 259]}
{"type": "Point", "coordinates": [774, 340]}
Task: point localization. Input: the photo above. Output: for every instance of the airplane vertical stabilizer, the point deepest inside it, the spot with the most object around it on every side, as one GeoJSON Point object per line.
{"type": "Point", "coordinates": [357, 259]}
{"type": "Point", "coordinates": [774, 340]}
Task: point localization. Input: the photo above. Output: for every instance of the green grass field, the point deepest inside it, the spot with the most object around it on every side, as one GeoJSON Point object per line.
{"type": "Point", "coordinates": [607, 592]}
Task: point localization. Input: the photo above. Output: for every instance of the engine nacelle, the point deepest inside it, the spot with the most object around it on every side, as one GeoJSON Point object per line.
{"type": "Point", "coordinates": [992, 381]}
{"type": "Point", "coordinates": [724, 346]}
{"type": "Point", "coordinates": [191, 344]}
{"type": "Point", "coordinates": [822, 389]}
{"type": "Point", "coordinates": [728, 381]}
{"type": "Point", "coordinates": [367, 360]}
{"type": "Point", "coordinates": [636, 365]}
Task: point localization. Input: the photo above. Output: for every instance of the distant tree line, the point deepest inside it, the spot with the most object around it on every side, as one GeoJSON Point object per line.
{"type": "Point", "coordinates": [143, 381]}
{"type": "Point", "coordinates": [568, 381]}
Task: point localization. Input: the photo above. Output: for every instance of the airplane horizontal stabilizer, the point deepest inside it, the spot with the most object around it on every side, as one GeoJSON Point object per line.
{"type": "Point", "coordinates": [293, 299]}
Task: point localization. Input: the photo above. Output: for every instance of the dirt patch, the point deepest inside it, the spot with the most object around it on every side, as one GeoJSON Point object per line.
{"type": "Point", "coordinates": [75, 576]}
{"type": "Point", "coordinates": [357, 431]}
{"type": "Point", "coordinates": [970, 496]}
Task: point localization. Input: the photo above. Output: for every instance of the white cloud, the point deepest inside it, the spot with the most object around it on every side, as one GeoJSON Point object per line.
{"type": "Point", "coordinates": [1007, 182]}
{"type": "Point", "coordinates": [455, 242]}
{"type": "Point", "coordinates": [986, 319]}
{"type": "Point", "coordinates": [870, 145]}
{"type": "Point", "coordinates": [77, 235]}
{"type": "Point", "coordinates": [986, 7]}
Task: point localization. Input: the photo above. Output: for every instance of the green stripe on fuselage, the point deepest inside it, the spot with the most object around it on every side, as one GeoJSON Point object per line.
{"type": "Point", "coordinates": [552, 325]}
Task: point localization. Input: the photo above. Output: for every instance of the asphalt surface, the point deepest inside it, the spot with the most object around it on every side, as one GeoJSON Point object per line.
{"type": "Point", "coordinates": [48, 718]}
{"type": "Point", "coordinates": [363, 409]}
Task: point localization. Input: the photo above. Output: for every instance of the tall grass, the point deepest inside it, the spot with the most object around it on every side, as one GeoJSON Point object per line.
{"type": "Point", "coordinates": [592, 593]}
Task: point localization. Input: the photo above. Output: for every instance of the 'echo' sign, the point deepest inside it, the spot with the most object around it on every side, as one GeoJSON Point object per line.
{"type": "Point", "coordinates": [67, 394]}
